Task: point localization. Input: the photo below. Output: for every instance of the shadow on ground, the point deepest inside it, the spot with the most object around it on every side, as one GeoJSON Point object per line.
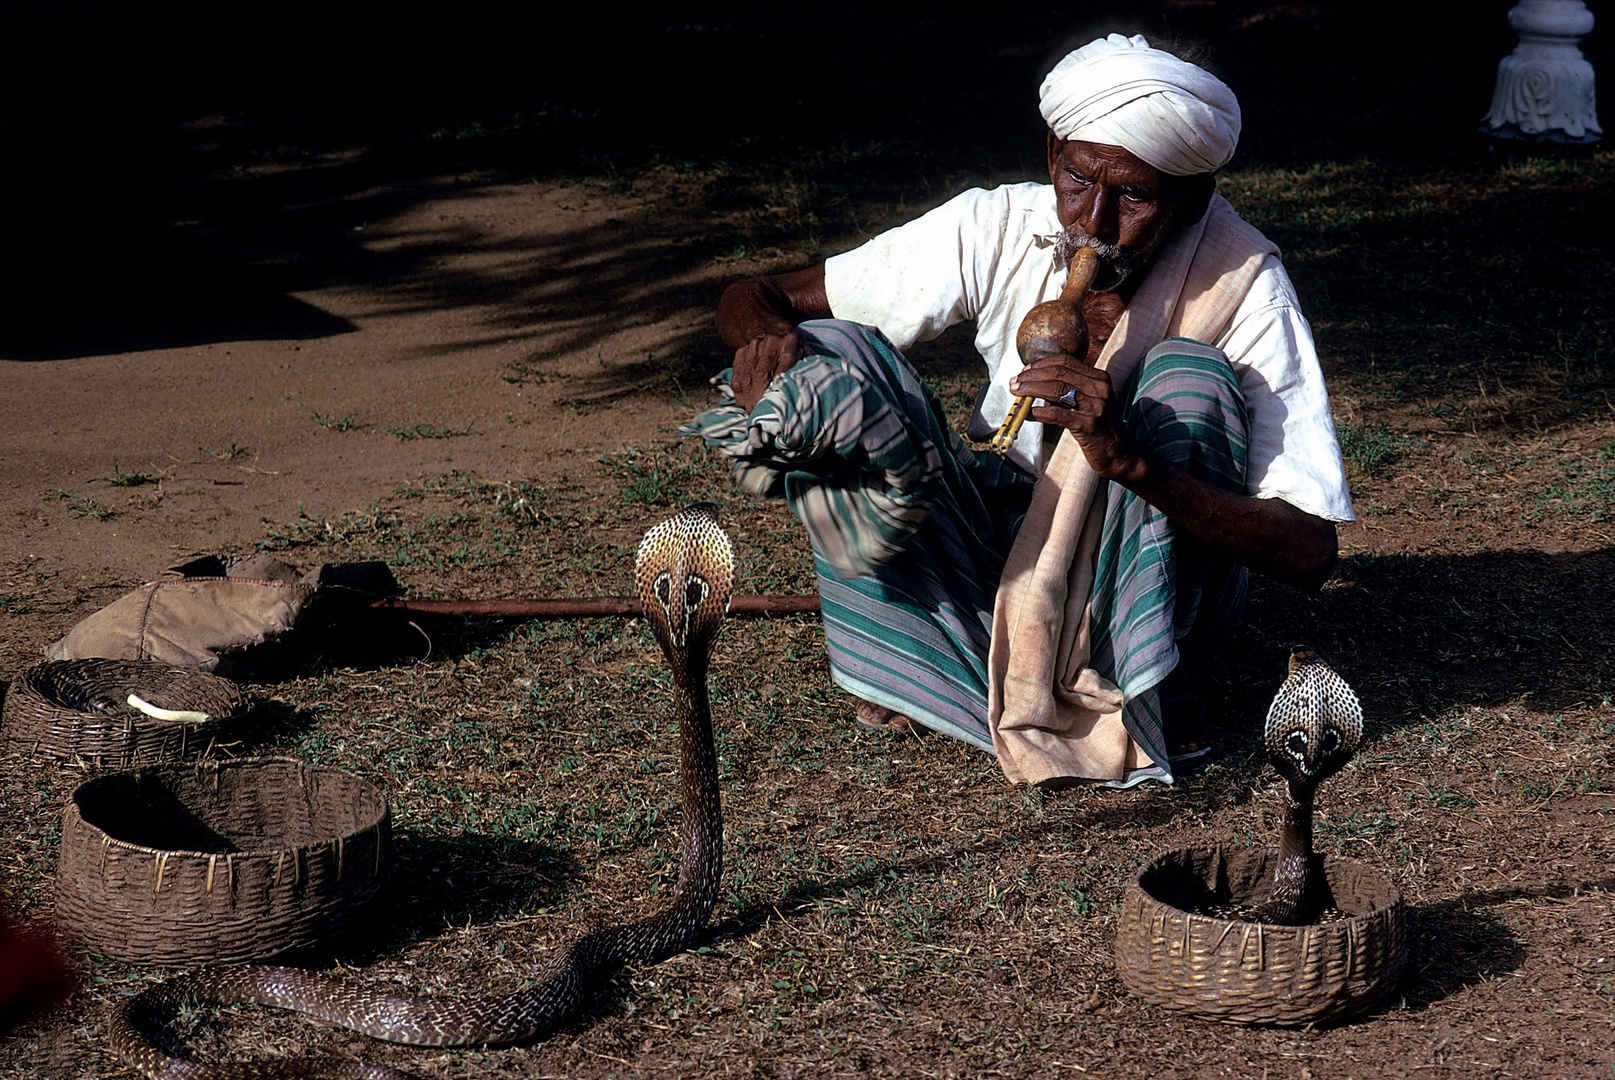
{"type": "Point", "coordinates": [1420, 637]}
{"type": "Point", "coordinates": [444, 883]}
{"type": "Point", "coordinates": [186, 174]}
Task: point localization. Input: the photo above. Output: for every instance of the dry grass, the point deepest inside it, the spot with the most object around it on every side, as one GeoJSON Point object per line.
{"type": "Point", "coordinates": [891, 907]}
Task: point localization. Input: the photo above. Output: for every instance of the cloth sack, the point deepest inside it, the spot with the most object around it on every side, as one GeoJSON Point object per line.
{"type": "Point", "coordinates": [239, 618]}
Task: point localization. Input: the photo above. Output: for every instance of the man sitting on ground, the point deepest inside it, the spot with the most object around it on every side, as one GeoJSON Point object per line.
{"type": "Point", "coordinates": [1053, 605]}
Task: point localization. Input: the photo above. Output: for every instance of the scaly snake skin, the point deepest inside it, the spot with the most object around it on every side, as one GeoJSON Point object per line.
{"type": "Point", "coordinates": [1313, 728]}
{"type": "Point", "coordinates": [685, 575]}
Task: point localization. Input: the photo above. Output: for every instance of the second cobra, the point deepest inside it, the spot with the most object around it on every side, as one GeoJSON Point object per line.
{"type": "Point", "coordinates": [685, 574]}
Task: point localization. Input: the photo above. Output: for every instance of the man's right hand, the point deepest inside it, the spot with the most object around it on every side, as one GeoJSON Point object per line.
{"type": "Point", "coordinates": [757, 317]}
{"type": "Point", "coordinates": [758, 361]}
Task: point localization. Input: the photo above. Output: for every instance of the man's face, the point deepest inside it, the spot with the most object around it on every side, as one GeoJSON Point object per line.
{"type": "Point", "coordinates": [1104, 193]}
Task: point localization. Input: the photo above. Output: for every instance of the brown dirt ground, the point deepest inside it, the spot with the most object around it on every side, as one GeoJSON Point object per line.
{"type": "Point", "coordinates": [229, 432]}
{"type": "Point", "coordinates": [894, 909]}
{"type": "Point", "coordinates": [1513, 948]}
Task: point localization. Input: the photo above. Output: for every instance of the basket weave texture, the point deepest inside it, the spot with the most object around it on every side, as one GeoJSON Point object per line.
{"type": "Point", "coordinates": [77, 711]}
{"type": "Point", "coordinates": [219, 862]}
{"type": "Point", "coordinates": [1257, 973]}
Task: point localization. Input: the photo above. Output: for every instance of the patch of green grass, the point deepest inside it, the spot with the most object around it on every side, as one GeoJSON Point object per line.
{"type": "Point", "coordinates": [1361, 826]}
{"type": "Point", "coordinates": [661, 476]}
{"type": "Point", "coordinates": [460, 133]}
{"type": "Point", "coordinates": [1583, 487]}
{"type": "Point", "coordinates": [81, 505]}
{"type": "Point", "coordinates": [650, 486]}
{"type": "Point", "coordinates": [1372, 448]}
{"type": "Point", "coordinates": [564, 538]}
{"type": "Point", "coordinates": [316, 529]}
{"type": "Point", "coordinates": [1442, 797]}
{"type": "Point", "coordinates": [423, 431]}
{"type": "Point", "coordinates": [523, 372]}
{"type": "Point", "coordinates": [12, 605]}
{"type": "Point", "coordinates": [282, 154]}
{"type": "Point", "coordinates": [349, 422]}
{"type": "Point", "coordinates": [333, 422]}
{"type": "Point", "coordinates": [226, 452]}
{"type": "Point", "coordinates": [118, 478]}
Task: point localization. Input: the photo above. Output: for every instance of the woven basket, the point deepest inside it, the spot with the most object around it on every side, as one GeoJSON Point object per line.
{"type": "Point", "coordinates": [77, 711]}
{"type": "Point", "coordinates": [223, 862]}
{"type": "Point", "coordinates": [1256, 973]}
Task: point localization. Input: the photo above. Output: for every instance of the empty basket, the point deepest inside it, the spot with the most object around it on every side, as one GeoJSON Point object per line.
{"type": "Point", "coordinates": [222, 862]}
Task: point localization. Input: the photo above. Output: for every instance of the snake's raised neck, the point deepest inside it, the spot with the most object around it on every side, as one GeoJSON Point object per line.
{"type": "Point", "coordinates": [685, 573]}
{"type": "Point", "coordinates": [1313, 728]}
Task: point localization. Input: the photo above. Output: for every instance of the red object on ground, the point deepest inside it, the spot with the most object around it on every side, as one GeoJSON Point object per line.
{"type": "Point", "coordinates": [34, 973]}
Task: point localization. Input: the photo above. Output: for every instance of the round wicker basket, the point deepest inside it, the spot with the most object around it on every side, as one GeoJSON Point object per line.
{"type": "Point", "coordinates": [1256, 973]}
{"type": "Point", "coordinates": [223, 862]}
{"type": "Point", "coordinates": [77, 711]}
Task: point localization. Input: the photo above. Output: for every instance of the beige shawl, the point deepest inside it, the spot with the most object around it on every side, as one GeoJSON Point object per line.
{"type": "Point", "coordinates": [1052, 716]}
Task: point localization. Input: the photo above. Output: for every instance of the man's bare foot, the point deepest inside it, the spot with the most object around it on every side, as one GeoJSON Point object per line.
{"type": "Point", "coordinates": [872, 717]}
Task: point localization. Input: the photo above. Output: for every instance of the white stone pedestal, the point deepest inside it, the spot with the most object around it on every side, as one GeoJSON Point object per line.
{"type": "Point", "coordinates": [1545, 86]}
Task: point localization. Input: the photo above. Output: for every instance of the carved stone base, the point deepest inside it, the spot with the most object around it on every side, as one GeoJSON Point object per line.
{"type": "Point", "coordinates": [1513, 133]}
{"type": "Point", "coordinates": [1545, 89]}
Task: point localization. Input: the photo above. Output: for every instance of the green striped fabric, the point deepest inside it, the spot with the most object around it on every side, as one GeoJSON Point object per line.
{"type": "Point", "coordinates": [1186, 406]}
{"type": "Point", "coordinates": [910, 527]}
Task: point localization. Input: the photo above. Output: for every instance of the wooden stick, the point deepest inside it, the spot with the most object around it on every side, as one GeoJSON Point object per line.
{"type": "Point", "coordinates": [587, 607]}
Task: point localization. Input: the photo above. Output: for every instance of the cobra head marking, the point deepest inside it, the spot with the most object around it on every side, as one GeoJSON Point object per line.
{"type": "Point", "coordinates": [1314, 724]}
{"type": "Point", "coordinates": [685, 575]}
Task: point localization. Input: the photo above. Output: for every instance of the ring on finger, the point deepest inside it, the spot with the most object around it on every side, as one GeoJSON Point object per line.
{"type": "Point", "coordinates": [1068, 399]}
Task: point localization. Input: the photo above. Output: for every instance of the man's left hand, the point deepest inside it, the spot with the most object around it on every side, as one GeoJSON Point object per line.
{"type": "Point", "coordinates": [1096, 418]}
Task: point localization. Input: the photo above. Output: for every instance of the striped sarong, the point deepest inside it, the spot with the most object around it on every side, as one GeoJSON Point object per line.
{"type": "Point", "coordinates": [1186, 407]}
{"type": "Point", "coordinates": [910, 527]}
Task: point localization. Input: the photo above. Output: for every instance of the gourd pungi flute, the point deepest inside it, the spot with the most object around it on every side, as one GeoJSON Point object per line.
{"type": "Point", "coordinates": [1051, 328]}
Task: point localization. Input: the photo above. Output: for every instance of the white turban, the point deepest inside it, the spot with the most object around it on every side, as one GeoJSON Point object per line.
{"type": "Point", "coordinates": [1171, 114]}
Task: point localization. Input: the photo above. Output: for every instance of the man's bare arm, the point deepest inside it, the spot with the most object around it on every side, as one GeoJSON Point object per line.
{"type": "Point", "coordinates": [757, 317]}
{"type": "Point", "coordinates": [1268, 535]}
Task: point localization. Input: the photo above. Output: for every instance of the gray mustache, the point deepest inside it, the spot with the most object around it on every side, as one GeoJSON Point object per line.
{"type": "Point", "coordinates": [1115, 264]}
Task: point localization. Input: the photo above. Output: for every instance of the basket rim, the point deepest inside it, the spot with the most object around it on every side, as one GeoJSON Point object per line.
{"type": "Point", "coordinates": [1135, 883]}
{"type": "Point", "coordinates": [109, 841]}
{"type": "Point", "coordinates": [29, 681]}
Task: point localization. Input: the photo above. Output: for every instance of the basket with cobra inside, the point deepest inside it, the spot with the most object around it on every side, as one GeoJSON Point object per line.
{"type": "Point", "coordinates": [90, 712]}
{"type": "Point", "coordinates": [1174, 951]}
{"type": "Point", "coordinates": [1270, 936]}
{"type": "Point", "coordinates": [219, 862]}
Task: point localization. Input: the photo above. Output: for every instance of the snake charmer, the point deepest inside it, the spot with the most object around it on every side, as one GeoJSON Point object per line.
{"type": "Point", "coordinates": [1056, 604]}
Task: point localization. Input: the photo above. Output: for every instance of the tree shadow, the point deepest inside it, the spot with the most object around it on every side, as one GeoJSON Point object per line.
{"type": "Point", "coordinates": [99, 293]}
{"type": "Point", "coordinates": [1419, 636]}
{"type": "Point", "coordinates": [187, 176]}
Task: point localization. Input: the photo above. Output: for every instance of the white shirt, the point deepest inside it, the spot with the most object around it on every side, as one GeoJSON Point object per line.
{"type": "Point", "coordinates": [988, 255]}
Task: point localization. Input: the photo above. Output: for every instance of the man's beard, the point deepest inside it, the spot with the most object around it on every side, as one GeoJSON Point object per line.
{"type": "Point", "coordinates": [1115, 264]}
